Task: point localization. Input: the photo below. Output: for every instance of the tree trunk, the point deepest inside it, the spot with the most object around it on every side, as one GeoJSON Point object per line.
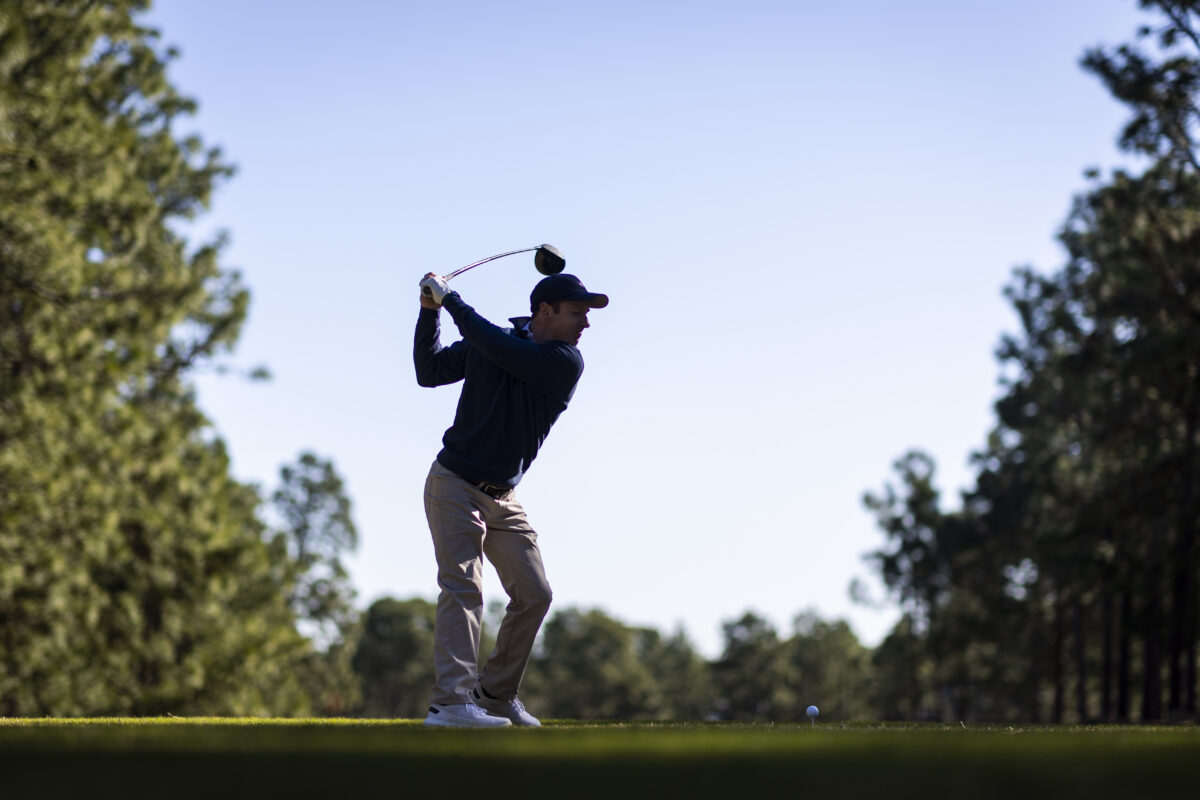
{"type": "Point", "coordinates": [1176, 645]}
{"type": "Point", "coordinates": [1125, 656]}
{"type": "Point", "coordinates": [1034, 676]}
{"type": "Point", "coordinates": [1183, 600]}
{"type": "Point", "coordinates": [1106, 657]}
{"type": "Point", "coordinates": [1187, 566]}
{"type": "Point", "coordinates": [1081, 704]}
{"type": "Point", "coordinates": [1056, 663]}
{"type": "Point", "coordinates": [1151, 646]}
{"type": "Point", "coordinates": [1191, 663]}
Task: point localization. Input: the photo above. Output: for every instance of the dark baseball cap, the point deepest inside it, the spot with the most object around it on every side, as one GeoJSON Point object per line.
{"type": "Point", "coordinates": [560, 287]}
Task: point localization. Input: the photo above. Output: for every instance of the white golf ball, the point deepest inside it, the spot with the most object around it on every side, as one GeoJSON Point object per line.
{"type": "Point", "coordinates": [812, 712]}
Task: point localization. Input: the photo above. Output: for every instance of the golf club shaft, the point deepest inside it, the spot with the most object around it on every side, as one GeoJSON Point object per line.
{"type": "Point", "coordinates": [485, 260]}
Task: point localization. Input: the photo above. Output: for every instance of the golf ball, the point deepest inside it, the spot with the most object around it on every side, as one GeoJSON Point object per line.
{"type": "Point", "coordinates": [813, 711]}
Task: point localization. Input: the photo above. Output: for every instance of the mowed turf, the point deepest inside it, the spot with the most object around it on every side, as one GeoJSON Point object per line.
{"type": "Point", "coordinates": [186, 758]}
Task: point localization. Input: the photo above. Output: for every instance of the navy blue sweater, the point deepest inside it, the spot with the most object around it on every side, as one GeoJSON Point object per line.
{"type": "Point", "coordinates": [513, 391]}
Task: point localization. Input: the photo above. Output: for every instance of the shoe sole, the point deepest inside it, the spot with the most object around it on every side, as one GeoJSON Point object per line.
{"type": "Point", "coordinates": [439, 723]}
{"type": "Point", "coordinates": [517, 723]}
{"type": "Point", "coordinates": [482, 703]}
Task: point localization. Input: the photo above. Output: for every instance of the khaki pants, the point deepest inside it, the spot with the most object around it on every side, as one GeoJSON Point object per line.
{"type": "Point", "coordinates": [467, 524]}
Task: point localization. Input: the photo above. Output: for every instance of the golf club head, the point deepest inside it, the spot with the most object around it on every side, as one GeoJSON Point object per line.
{"type": "Point", "coordinates": [548, 260]}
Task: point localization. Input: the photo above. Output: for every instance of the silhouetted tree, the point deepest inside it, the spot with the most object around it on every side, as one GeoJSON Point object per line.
{"type": "Point", "coordinates": [751, 675]}
{"type": "Point", "coordinates": [1079, 537]}
{"type": "Point", "coordinates": [394, 657]}
{"type": "Point", "coordinates": [587, 666]}
{"type": "Point", "coordinates": [134, 578]}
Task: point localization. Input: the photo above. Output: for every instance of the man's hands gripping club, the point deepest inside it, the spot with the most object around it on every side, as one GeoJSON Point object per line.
{"type": "Point", "coordinates": [433, 290]}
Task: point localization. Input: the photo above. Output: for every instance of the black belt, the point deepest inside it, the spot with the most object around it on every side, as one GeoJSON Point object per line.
{"type": "Point", "coordinates": [492, 490]}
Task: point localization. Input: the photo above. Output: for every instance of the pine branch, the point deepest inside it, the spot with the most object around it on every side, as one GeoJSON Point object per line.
{"type": "Point", "coordinates": [1179, 18]}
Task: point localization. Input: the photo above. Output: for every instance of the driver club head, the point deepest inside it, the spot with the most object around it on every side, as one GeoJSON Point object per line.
{"type": "Point", "coordinates": [548, 260]}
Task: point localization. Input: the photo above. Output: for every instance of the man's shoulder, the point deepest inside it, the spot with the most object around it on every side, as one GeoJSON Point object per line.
{"type": "Point", "coordinates": [565, 352]}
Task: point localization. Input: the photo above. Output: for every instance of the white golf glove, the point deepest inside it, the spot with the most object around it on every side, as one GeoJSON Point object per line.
{"type": "Point", "coordinates": [435, 287]}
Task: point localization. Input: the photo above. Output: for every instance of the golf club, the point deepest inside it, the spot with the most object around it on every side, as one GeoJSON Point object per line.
{"type": "Point", "coordinates": [547, 260]}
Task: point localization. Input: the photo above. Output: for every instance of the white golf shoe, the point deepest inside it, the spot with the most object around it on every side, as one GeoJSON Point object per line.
{"type": "Point", "coordinates": [463, 715]}
{"type": "Point", "coordinates": [513, 710]}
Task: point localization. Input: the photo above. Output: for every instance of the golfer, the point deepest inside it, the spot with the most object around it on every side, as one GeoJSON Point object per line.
{"type": "Point", "coordinates": [516, 381]}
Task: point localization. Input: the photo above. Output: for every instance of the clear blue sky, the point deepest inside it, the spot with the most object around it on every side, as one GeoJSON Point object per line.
{"type": "Point", "coordinates": [804, 214]}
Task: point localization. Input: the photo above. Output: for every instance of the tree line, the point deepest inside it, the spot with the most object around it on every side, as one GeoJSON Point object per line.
{"type": "Point", "coordinates": [138, 577]}
{"type": "Point", "coordinates": [589, 665]}
{"type": "Point", "coordinates": [1063, 587]}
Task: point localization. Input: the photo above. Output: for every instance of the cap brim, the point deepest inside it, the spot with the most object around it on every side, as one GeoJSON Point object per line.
{"type": "Point", "coordinates": [593, 299]}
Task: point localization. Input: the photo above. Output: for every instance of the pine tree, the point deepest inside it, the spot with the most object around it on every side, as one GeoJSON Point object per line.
{"type": "Point", "coordinates": [134, 578]}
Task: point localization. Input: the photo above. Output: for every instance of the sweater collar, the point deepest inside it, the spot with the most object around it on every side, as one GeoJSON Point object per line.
{"type": "Point", "coordinates": [521, 326]}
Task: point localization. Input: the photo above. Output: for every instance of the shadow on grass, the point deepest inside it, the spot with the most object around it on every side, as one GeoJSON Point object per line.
{"type": "Point", "coordinates": [208, 758]}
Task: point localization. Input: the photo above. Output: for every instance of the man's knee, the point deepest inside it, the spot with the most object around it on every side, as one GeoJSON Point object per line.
{"type": "Point", "coordinates": [538, 601]}
{"type": "Point", "coordinates": [461, 591]}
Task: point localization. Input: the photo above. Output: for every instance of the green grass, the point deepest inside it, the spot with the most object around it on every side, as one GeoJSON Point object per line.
{"type": "Point", "coordinates": [185, 758]}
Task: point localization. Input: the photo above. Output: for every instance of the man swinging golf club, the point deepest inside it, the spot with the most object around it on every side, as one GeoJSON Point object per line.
{"type": "Point", "coordinates": [516, 382]}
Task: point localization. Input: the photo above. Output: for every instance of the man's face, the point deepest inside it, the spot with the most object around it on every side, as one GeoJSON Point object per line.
{"type": "Point", "coordinates": [567, 324]}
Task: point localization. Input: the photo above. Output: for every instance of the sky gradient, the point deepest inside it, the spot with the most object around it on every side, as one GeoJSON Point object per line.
{"type": "Point", "coordinates": [804, 214]}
